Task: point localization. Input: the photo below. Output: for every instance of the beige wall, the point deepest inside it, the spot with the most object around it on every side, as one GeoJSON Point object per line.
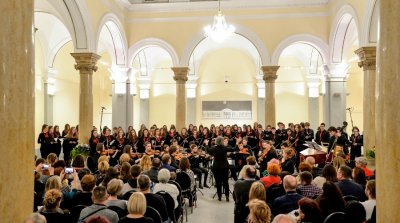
{"type": "Point", "coordinates": [39, 94]}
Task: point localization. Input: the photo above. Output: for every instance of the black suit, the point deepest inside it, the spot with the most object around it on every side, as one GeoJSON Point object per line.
{"type": "Point", "coordinates": [241, 198]}
{"type": "Point", "coordinates": [220, 168]}
{"type": "Point", "coordinates": [348, 187]}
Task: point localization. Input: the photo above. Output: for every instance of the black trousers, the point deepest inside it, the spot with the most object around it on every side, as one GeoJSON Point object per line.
{"type": "Point", "coordinates": [199, 171]}
{"type": "Point", "coordinates": [221, 180]}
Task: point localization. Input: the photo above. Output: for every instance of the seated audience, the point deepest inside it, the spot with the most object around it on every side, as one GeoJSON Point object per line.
{"type": "Point", "coordinates": [124, 173]}
{"type": "Point", "coordinates": [329, 174]}
{"type": "Point", "coordinates": [359, 177]}
{"type": "Point", "coordinates": [284, 218]}
{"type": "Point", "coordinates": [132, 183]}
{"type": "Point", "coordinates": [98, 207]}
{"type": "Point", "coordinates": [288, 202]}
{"type": "Point", "coordinates": [166, 163]}
{"type": "Point", "coordinates": [273, 175]}
{"type": "Point", "coordinates": [114, 189]}
{"type": "Point", "coordinates": [362, 163]}
{"type": "Point", "coordinates": [153, 172]}
{"type": "Point", "coordinates": [275, 191]}
{"type": "Point", "coordinates": [51, 206]}
{"type": "Point", "coordinates": [257, 191]}
{"type": "Point", "coordinates": [251, 161]}
{"type": "Point", "coordinates": [163, 185]}
{"type": "Point", "coordinates": [331, 200]}
{"type": "Point", "coordinates": [136, 209]}
{"type": "Point", "coordinates": [347, 186]}
{"type": "Point", "coordinates": [316, 171]}
{"type": "Point", "coordinates": [102, 167]}
{"type": "Point", "coordinates": [145, 163]}
{"type": "Point", "coordinates": [153, 200]}
{"type": "Point", "coordinates": [35, 218]}
{"type": "Point", "coordinates": [306, 188]}
{"type": "Point", "coordinates": [184, 166]}
{"type": "Point", "coordinates": [309, 211]}
{"type": "Point", "coordinates": [354, 212]}
{"type": "Point", "coordinates": [370, 204]}
{"type": "Point", "coordinates": [241, 194]}
{"type": "Point", "coordinates": [78, 163]}
{"type": "Point", "coordinates": [303, 166]}
{"type": "Point", "coordinates": [259, 212]}
{"type": "Point", "coordinates": [112, 173]}
{"type": "Point", "coordinates": [84, 197]}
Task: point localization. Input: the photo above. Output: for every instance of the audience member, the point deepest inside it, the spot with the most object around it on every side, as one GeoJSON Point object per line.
{"type": "Point", "coordinates": [309, 211]}
{"type": "Point", "coordinates": [241, 194]}
{"type": "Point", "coordinates": [166, 163]}
{"type": "Point", "coordinates": [84, 197]}
{"type": "Point", "coordinates": [153, 200]}
{"type": "Point", "coordinates": [114, 189]}
{"type": "Point", "coordinates": [331, 200]}
{"type": "Point", "coordinates": [259, 212]}
{"type": "Point", "coordinates": [354, 212]}
{"type": "Point", "coordinates": [102, 167]}
{"type": "Point", "coordinates": [329, 174]}
{"type": "Point", "coordinates": [124, 173]}
{"type": "Point", "coordinates": [51, 202]}
{"type": "Point", "coordinates": [153, 172]}
{"type": "Point", "coordinates": [362, 163]}
{"type": "Point", "coordinates": [303, 166]}
{"type": "Point", "coordinates": [257, 191]}
{"type": "Point", "coordinates": [251, 161]}
{"type": "Point", "coordinates": [347, 186]}
{"type": "Point", "coordinates": [288, 202]}
{"type": "Point", "coordinates": [370, 204]}
{"type": "Point", "coordinates": [358, 175]}
{"type": "Point", "coordinates": [306, 188]}
{"type": "Point", "coordinates": [35, 218]}
{"type": "Point", "coordinates": [273, 175]}
{"type": "Point", "coordinates": [145, 163]}
{"type": "Point", "coordinates": [316, 171]}
{"type": "Point", "coordinates": [163, 185]}
{"type": "Point", "coordinates": [136, 209]}
{"type": "Point", "coordinates": [112, 173]}
{"type": "Point", "coordinates": [98, 207]}
{"type": "Point", "coordinates": [284, 218]}
{"type": "Point", "coordinates": [132, 183]}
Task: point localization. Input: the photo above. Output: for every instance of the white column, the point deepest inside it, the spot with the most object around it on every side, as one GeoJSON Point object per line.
{"type": "Point", "coordinates": [313, 82]}
{"type": "Point", "coordinates": [144, 94]}
{"type": "Point", "coordinates": [120, 96]}
{"type": "Point", "coordinates": [180, 76]}
{"type": "Point", "coordinates": [336, 93]}
{"type": "Point", "coordinates": [260, 99]}
{"type": "Point", "coordinates": [191, 86]}
{"type": "Point", "coordinates": [49, 91]}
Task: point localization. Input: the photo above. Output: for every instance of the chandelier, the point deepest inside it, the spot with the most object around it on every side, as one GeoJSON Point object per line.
{"type": "Point", "coordinates": [219, 31]}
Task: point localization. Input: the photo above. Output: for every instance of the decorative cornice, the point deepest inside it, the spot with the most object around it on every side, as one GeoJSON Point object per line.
{"type": "Point", "coordinates": [86, 62]}
{"type": "Point", "coordinates": [181, 73]}
{"type": "Point", "coordinates": [270, 73]}
{"type": "Point", "coordinates": [367, 56]}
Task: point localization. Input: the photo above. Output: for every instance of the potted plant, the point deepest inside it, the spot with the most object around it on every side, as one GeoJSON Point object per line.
{"type": "Point", "coordinates": [371, 156]}
{"type": "Point", "coordinates": [80, 149]}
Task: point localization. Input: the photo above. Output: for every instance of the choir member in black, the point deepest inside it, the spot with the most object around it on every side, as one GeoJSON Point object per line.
{"type": "Point", "coordinates": [241, 154]}
{"type": "Point", "coordinates": [356, 141]}
{"type": "Point", "coordinates": [281, 133]}
{"type": "Point", "coordinates": [298, 142]}
{"type": "Point", "coordinates": [268, 133]}
{"type": "Point", "coordinates": [57, 136]}
{"type": "Point", "coordinates": [206, 138]}
{"type": "Point", "coordinates": [71, 140]}
{"type": "Point", "coordinates": [128, 131]}
{"type": "Point", "coordinates": [66, 130]}
{"type": "Point", "coordinates": [274, 137]}
{"type": "Point", "coordinates": [118, 145]}
{"type": "Point", "coordinates": [308, 133]}
{"type": "Point", "coordinates": [172, 134]}
{"type": "Point", "coordinates": [190, 129]}
{"type": "Point", "coordinates": [184, 138]}
{"type": "Point", "coordinates": [343, 140]}
{"type": "Point", "coordinates": [266, 154]}
{"type": "Point", "coordinates": [231, 138]}
{"type": "Point", "coordinates": [52, 140]}
{"type": "Point", "coordinates": [322, 136]}
{"type": "Point", "coordinates": [246, 145]}
{"type": "Point", "coordinates": [142, 128]}
{"type": "Point", "coordinates": [133, 140]}
{"type": "Point", "coordinates": [144, 138]}
{"type": "Point", "coordinates": [195, 138]}
{"type": "Point", "coordinates": [107, 139]}
{"type": "Point", "coordinates": [157, 141]}
{"type": "Point", "coordinates": [44, 141]}
{"type": "Point", "coordinates": [249, 133]}
{"type": "Point", "coordinates": [220, 166]}
{"type": "Point", "coordinates": [290, 136]}
{"type": "Point", "coordinates": [93, 141]}
{"type": "Point", "coordinates": [195, 159]}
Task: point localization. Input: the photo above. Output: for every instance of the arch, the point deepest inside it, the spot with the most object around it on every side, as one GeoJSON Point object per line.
{"type": "Point", "coordinates": [138, 46]}
{"type": "Point", "coordinates": [314, 41]}
{"type": "Point", "coordinates": [369, 26]}
{"type": "Point", "coordinates": [119, 43]}
{"type": "Point", "coordinates": [240, 30]}
{"type": "Point", "coordinates": [340, 30]}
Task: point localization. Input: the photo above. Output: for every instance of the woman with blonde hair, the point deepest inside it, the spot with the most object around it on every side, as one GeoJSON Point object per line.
{"type": "Point", "coordinates": [145, 163]}
{"type": "Point", "coordinates": [51, 207]}
{"type": "Point", "coordinates": [136, 209]}
{"type": "Point", "coordinates": [114, 188]}
{"type": "Point", "coordinates": [259, 212]}
{"type": "Point", "coordinates": [257, 191]}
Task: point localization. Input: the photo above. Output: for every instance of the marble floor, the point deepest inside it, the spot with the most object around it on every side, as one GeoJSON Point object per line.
{"type": "Point", "coordinates": [210, 210]}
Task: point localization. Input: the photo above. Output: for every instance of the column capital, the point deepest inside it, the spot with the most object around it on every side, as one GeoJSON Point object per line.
{"type": "Point", "coordinates": [86, 62]}
{"type": "Point", "coordinates": [180, 73]}
{"type": "Point", "coordinates": [367, 56]}
{"type": "Point", "coordinates": [269, 73]}
{"type": "Point", "coordinates": [336, 71]}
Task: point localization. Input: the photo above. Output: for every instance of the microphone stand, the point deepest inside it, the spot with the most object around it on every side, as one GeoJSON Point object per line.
{"type": "Point", "coordinates": [351, 118]}
{"type": "Point", "coordinates": [101, 118]}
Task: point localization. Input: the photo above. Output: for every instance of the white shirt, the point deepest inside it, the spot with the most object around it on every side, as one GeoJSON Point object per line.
{"type": "Point", "coordinates": [369, 207]}
{"type": "Point", "coordinates": [170, 189]}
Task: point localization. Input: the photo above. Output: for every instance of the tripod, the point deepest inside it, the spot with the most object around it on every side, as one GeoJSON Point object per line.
{"type": "Point", "coordinates": [101, 117]}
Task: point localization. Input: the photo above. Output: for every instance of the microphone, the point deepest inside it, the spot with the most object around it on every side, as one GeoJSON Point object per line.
{"type": "Point", "coordinates": [104, 108]}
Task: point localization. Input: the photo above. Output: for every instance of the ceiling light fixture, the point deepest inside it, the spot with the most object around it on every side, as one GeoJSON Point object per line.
{"type": "Point", "coordinates": [219, 30]}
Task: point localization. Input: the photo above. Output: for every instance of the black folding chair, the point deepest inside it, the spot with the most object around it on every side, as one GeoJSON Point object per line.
{"type": "Point", "coordinates": [127, 195]}
{"type": "Point", "coordinates": [348, 198]}
{"type": "Point", "coordinates": [153, 214]}
{"type": "Point", "coordinates": [76, 211]}
{"type": "Point", "coordinates": [181, 203]}
{"type": "Point", "coordinates": [335, 217]}
{"type": "Point", "coordinates": [121, 212]}
{"type": "Point", "coordinates": [169, 201]}
{"type": "Point", "coordinates": [183, 179]}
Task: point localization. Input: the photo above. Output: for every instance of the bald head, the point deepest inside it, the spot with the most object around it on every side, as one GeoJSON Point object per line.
{"type": "Point", "coordinates": [310, 160]}
{"type": "Point", "coordinates": [283, 218]}
{"type": "Point", "coordinates": [289, 183]}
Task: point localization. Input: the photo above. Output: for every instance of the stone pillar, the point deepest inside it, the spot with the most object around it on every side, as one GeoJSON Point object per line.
{"type": "Point", "coordinates": [130, 94]}
{"type": "Point", "coordinates": [86, 64]}
{"type": "Point", "coordinates": [17, 110]}
{"type": "Point", "coordinates": [120, 97]}
{"type": "Point", "coordinates": [336, 93]}
{"type": "Point", "coordinates": [367, 57]}
{"type": "Point", "coordinates": [180, 76]}
{"type": "Point", "coordinates": [191, 111]}
{"type": "Point", "coordinates": [48, 96]}
{"type": "Point", "coordinates": [313, 82]}
{"type": "Point", "coordinates": [269, 78]}
{"type": "Point", "coordinates": [387, 113]}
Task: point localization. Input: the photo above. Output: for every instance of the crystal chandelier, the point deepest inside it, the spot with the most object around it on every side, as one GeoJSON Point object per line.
{"type": "Point", "coordinates": [219, 31]}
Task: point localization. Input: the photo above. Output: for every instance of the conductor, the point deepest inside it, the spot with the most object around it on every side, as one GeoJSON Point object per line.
{"type": "Point", "coordinates": [220, 167]}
